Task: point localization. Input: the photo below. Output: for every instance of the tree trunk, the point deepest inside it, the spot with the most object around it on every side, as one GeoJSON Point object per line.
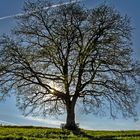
{"type": "Point", "coordinates": [70, 121]}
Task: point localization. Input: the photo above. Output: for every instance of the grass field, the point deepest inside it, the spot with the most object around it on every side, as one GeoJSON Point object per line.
{"type": "Point", "coordinates": [40, 133]}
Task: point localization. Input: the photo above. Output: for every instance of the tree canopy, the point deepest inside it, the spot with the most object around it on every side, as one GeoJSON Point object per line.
{"type": "Point", "coordinates": [59, 56]}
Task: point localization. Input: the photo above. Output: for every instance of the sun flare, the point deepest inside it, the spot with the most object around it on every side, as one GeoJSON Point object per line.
{"type": "Point", "coordinates": [52, 90]}
{"type": "Point", "coordinates": [54, 86]}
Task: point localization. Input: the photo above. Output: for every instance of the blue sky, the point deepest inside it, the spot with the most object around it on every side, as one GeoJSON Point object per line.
{"type": "Point", "coordinates": [10, 114]}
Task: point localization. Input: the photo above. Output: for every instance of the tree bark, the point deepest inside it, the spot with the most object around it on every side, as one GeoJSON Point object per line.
{"type": "Point", "coordinates": [70, 120]}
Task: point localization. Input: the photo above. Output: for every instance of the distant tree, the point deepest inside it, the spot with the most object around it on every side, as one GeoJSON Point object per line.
{"type": "Point", "coordinates": [61, 56]}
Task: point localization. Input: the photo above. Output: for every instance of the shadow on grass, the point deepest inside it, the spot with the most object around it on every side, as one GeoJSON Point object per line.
{"type": "Point", "coordinates": [91, 137]}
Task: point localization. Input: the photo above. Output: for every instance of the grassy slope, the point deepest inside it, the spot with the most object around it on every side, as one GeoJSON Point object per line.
{"type": "Point", "coordinates": [39, 133]}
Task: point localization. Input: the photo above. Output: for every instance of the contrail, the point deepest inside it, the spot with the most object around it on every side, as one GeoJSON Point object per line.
{"type": "Point", "coordinates": [12, 16]}
{"type": "Point", "coordinates": [45, 8]}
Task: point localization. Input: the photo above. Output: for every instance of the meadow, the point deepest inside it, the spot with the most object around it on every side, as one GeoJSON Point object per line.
{"type": "Point", "coordinates": [43, 133]}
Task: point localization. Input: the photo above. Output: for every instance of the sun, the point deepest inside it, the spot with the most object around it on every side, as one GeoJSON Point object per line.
{"type": "Point", "coordinates": [52, 90]}
{"type": "Point", "coordinates": [54, 87]}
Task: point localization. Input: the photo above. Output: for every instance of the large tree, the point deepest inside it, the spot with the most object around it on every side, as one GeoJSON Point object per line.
{"type": "Point", "coordinates": [59, 56]}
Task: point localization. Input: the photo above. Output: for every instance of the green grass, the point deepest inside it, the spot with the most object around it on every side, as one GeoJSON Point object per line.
{"type": "Point", "coordinates": [41, 133]}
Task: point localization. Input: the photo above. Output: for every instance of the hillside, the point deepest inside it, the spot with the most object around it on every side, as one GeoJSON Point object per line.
{"type": "Point", "coordinates": [42, 133]}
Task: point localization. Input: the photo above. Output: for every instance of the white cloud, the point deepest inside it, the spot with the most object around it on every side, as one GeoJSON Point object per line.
{"type": "Point", "coordinates": [50, 122]}
{"type": "Point", "coordinates": [108, 124]}
{"type": "Point", "coordinates": [7, 122]}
